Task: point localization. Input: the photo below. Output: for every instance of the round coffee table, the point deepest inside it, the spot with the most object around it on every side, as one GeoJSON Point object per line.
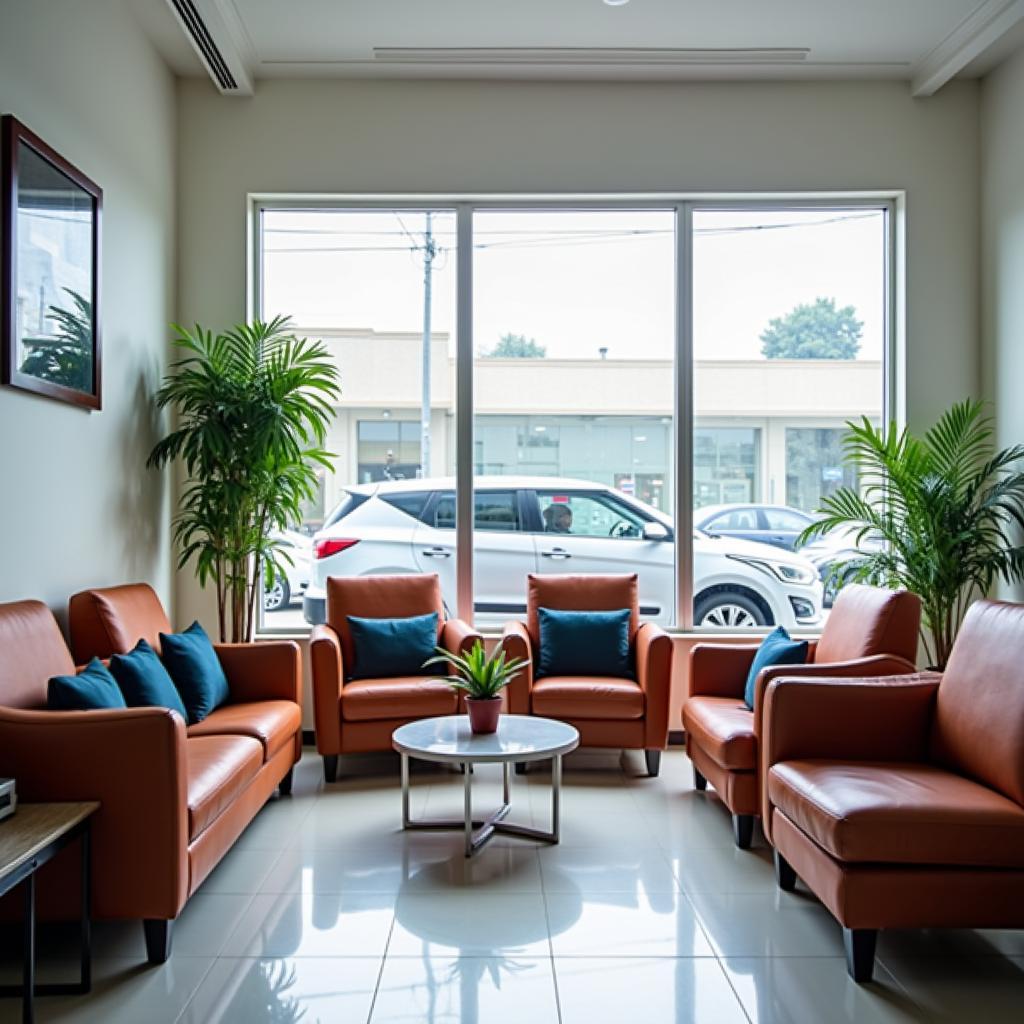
{"type": "Point", "coordinates": [520, 738]}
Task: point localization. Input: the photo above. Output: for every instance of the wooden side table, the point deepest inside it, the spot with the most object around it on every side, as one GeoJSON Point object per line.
{"type": "Point", "coordinates": [28, 839]}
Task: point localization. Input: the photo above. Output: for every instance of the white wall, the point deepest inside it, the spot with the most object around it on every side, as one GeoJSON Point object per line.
{"type": "Point", "coordinates": [450, 137]}
{"type": "Point", "coordinates": [1002, 191]}
{"type": "Point", "coordinates": [79, 508]}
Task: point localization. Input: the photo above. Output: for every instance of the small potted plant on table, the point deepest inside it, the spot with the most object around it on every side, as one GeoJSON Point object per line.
{"type": "Point", "coordinates": [482, 679]}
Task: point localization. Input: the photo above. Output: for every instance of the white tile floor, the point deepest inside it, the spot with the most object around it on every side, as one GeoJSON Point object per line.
{"type": "Point", "coordinates": [327, 912]}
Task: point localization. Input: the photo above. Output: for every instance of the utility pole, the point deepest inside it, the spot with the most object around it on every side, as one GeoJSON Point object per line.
{"type": "Point", "coordinates": [429, 253]}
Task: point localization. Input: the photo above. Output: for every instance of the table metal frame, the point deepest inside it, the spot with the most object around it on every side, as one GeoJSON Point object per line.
{"type": "Point", "coordinates": [26, 873]}
{"type": "Point", "coordinates": [478, 831]}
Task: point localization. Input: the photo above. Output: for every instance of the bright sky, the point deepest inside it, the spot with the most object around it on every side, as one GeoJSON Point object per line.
{"type": "Point", "coordinates": [576, 281]}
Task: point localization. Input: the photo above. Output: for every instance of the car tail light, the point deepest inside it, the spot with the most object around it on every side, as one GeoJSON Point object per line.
{"type": "Point", "coordinates": [326, 548]}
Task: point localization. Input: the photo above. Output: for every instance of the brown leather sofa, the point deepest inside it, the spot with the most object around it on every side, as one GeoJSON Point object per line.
{"type": "Point", "coordinates": [900, 803]}
{"type": "Point", "coordinates": [360, 716]}
{"type": "Point", "coordinates": [173, 798]}
{"type": "Point", "coordinates": [607, 711]}
{"type": "Point", "coordinates": [871, 631]}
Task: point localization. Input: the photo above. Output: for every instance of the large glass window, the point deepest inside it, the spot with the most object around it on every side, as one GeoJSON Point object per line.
{"type": "Point", "coordinates": [378, 288]}
{"type": "Point", "coordinates": [577, 435]}
{"type": "Point", "coordinates": [573, 329]}
{"type": "Point", "coordinates": [789, 335]}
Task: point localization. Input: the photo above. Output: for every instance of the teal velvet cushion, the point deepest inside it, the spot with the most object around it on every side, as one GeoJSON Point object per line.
{"type": "Point", "coordinates": [584, 643]}
{"type": "Point", "coordinates": [392, 647]}
{"type": "Point", "coordinates": [193, 664]}
{"type": "Point", "coordinates": [144, 681]}
{"type": "Point", "coordinates": [93, 688]}
{"type": "Point", "coordinates": [776, 649]}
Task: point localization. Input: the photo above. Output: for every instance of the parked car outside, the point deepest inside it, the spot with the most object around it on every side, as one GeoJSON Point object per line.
{"type": "Point", "coordinates": [291, 587]}
{"type": "Point", "coordinates": [832, 555]}
{"type": "Point", "coordinates": [553, 525]}
{"type": "Point", "coordinates": [778, 525]}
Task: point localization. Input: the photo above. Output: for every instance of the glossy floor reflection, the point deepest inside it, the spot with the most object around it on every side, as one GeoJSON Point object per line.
{"type": "Point", "coordinates": [327, 912]}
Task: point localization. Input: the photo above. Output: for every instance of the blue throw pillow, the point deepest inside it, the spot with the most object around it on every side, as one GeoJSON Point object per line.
{"type": "Point", "coordinates": [93, 688]}
{"type": "Point", "coordinates": [144, 681]}
{"type": "Point", "coordinates": [776, 649]}
{"type": "Point", "coordinates": [585, 643]}
{"type": "Point", "coordinates": [392, 647]}
{"type": "Point", "coordinates": [196, 670]}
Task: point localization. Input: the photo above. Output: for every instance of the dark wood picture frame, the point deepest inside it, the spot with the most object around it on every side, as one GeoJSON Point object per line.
{"type": "Point", "coordinates": [16, 135]}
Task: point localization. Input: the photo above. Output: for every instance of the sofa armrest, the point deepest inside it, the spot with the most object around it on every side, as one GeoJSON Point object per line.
{"type": "Point", "coordinates": [133, 761]}
{"type": "Point", "coordinates": [720, 670]}
{"type": "Point", "coordinates": [881, 719]}
{"type": "Point", "coordinates": [515, 642]}
{"type": "Point", "coordinates": [872, 667]}
{"type": "Point", "coordinates": [328, 677]}
{"type": "Point", "coordinates": [458, 637]}
{"type": "Point", "coordinates": [262, 671]}
{"type": "Point", "coordinates": [654, 674]}
{"type": "Point", "coordinates": [886, 718]}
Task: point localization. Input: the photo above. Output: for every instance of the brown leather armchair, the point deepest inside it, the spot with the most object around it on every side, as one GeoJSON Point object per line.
{"type": "Point", "coordinates": [900, 803]}
{"type": "Point", "coordinates": [359, 716]}
{"type": "Point", "coordinates": [173, 799]}
{"type": "Point", "coordinates": [871, 631]}
{"type": "Point", "coordinates": [607, 711]}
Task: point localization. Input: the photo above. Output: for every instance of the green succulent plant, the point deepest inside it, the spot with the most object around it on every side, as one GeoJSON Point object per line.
{"type": "Point", "coordinates": [480, 677]}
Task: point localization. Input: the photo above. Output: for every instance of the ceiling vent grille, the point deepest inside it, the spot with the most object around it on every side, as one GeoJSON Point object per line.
{"type": "Point", "coordinates": [570, 55]}
{"type": "Point", "coordinates": [208, 50]}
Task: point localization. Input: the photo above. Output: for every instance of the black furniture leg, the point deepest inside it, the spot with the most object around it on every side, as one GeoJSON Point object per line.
{"type": "Point", "coordinates": [284, 787]}
{"type": "Point", "coordinates": [743, 830]}
{"type": "Point", "coordinates": [28, 967]}
{"type": "Point", "coordinates": [653, 758]}
{"type": "Point", "coordinates": [330, 767]}
{"type": "Point", "coordinates": [158, 939]}
{"type": "Point", "coordinates": [699, 781]}
{"type": "Point", "coordinates": [860, 952]}
{"type": "Point", "coordinates": [784, 873]}
{"type": "Point", "coordinates": [85, 933]}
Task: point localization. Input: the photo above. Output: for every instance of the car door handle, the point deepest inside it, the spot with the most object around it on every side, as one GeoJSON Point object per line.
{"type": "Point", "coordinates": [437, 553]}
{"type": "Point", "coordinates": [556, 553]}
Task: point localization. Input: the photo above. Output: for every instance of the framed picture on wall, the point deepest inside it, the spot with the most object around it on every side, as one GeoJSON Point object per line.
{"type": "Point", "coordinates": [50, 289]}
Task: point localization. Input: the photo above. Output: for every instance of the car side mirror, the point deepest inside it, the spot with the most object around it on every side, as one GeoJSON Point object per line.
{"type": "Point", "coordinates": [655, 531]}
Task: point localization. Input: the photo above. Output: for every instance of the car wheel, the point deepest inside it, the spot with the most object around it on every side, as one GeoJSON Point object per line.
{"type": "Point", "coordinates": [276, 596]}
{"type": "Point", "coordinates": [728, 610]}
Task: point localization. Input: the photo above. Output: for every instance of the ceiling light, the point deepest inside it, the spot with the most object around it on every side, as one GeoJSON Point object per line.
{"type": "Point", "coordinates": [616, 3]}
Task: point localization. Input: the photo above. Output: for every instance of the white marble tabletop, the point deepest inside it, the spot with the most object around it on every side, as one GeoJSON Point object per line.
{"type": "Point", "coordinates": [449, 739]}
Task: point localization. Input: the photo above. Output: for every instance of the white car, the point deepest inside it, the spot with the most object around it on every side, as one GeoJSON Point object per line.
{"type": "Point", "coordinates": [520, 527]}
{"type": "Point", "coordinates": [292, 585]}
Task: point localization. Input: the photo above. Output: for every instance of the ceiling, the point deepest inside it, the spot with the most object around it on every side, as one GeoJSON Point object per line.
{"type": "Point", "coordinates": [925, 42]}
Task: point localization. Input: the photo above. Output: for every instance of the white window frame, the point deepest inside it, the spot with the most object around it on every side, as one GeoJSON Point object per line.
{"type": "Point", "coordinates": [684, 205]}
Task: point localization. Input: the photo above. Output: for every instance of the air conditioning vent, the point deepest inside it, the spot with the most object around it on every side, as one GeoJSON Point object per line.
{"type": "Point", "coordinates": [571, 55]}
{"type": "Point", "coordinates": [210, 54]}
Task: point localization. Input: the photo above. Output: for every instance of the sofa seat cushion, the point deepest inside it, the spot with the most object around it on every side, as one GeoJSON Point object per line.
{"type": "Point", "coordinates": [587, 697]}
{"type": "Point", "coordinates": [723, 728]}
{"type": "Point", "coordinates": [219, 770]}
{"type": "Point", "coordinates": [273, 722]}
{"type": "Point", "coordinates": [899, 812]}
{"type": "Point", "coordinates": [370, 700]}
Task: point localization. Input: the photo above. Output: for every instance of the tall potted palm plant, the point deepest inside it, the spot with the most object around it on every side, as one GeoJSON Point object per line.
{"type": "Point", "coordinates": [252, 408]}
{"type": "Point", "coordinates": [947, 507]}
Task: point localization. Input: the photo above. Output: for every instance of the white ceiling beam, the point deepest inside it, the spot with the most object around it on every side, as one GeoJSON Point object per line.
{"type": "Point", "coordinates": [978, 32]}
{"type": "Point", "coordinates": [215, 32]}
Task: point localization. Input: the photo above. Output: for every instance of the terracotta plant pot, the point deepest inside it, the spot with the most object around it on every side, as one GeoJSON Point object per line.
{"type": "Point", "coordinates": [483, 714]}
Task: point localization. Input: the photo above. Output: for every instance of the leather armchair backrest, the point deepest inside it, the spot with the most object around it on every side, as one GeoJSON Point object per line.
{"type": "Point", "coordinates": [32, 649]}
{"type": "Point", "coordinates": [870, 620]}
{"type": "Point", "coordinates": [380, 597]}
{"type": "Point", "coordinates": [112, 620]}
{"type": "Point", "coordinates": [979, 712]}
{"type": "Point", "coordinates": [581, 594]}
